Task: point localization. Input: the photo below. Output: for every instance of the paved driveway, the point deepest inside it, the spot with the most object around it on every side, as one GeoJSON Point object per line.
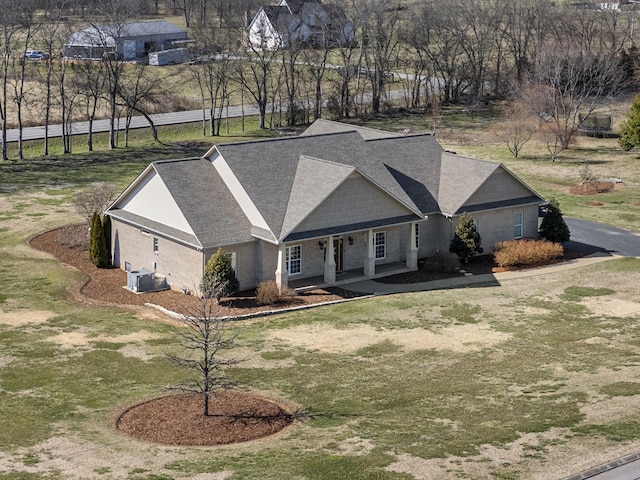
{"type": "Point", "coordinates": [626, 243]}
{"type": "Point", "coordinates": [605, 237]}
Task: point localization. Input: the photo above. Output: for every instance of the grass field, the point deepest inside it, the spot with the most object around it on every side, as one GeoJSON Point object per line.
{"type": "Point", "coordinates": [535, 378]}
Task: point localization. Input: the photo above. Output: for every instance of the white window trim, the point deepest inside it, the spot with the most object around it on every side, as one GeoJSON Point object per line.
{"type": "Point", "coordinates": [383, 244]}
{"type": "Point", "coordinates": [288, 259]}
{"type": "Point", "coordinates": [156, 244]}
{"type": "Point", "coordinates": [516, 225]}
{"type": "Point", "coordinates": [417, 239]}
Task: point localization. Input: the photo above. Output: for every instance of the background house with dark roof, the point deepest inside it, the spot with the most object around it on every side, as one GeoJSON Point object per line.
{"type": "Point", "coordinates": [305, 210]}
{"type": "Point", "coordinates": [131, 41]}
{"type": "Point", "coordinates": [299, 21]}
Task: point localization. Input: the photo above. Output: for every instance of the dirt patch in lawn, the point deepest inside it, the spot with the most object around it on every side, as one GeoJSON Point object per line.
{"type": "Point", "coordinates": [19, 317]}
{"type": "Point", "coordinates": [326, 338]}
{"type": "Point", "coordinates": [179, 420]}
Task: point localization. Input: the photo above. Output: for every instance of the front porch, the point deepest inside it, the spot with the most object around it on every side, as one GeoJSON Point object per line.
{"type": "Point", "coordinates": [347, 276]}
{"type": "Point", "coordinates": [357, 255]}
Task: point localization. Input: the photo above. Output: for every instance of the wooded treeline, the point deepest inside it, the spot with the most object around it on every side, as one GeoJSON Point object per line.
{"type": "Point", "coordinates": [552, 61]}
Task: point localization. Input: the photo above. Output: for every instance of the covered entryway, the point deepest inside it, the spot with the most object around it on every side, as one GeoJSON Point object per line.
{"type": "Point", "coordinates": [338, 254]}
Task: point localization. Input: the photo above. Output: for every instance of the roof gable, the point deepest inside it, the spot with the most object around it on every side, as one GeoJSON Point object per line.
{"type": "Point", "coordinates": [207, 203]}
{"type": "Point", "coordinates": [143, 197]}
{"type": "Point", "coordinates": [469, 184]}
{"type": "Point", "coordinates": [266, 169]}
{"type": "Point", "coordinates": [307, 192]}
{"type": "Point", "coordinates": [356, 201]}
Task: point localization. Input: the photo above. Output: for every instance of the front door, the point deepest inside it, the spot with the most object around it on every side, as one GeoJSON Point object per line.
{"type": "Point", "coordinates": [338, 253]}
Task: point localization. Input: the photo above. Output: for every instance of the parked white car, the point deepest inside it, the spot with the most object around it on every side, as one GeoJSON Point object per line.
{"type": "Point", "coordinates": [35, 55]}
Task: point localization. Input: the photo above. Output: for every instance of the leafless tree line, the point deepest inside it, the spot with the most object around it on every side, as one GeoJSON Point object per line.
{"type": "Point", "coordinates": [556, 60]}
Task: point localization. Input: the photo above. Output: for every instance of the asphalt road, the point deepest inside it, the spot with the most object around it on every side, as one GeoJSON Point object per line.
{"type": "Point", "coordinates": [172, 118]}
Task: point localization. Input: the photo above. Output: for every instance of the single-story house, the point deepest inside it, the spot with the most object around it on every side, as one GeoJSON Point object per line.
{"type": "Point", "coordinates": [305, 210]}
{"type": "Point", "coordinates": [299, 21]}
{"type": "Point", "coordinates": [131, 41]}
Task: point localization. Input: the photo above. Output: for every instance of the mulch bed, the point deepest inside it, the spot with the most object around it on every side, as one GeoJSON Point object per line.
{"type": "Point", "coordinates": [106, 285]}
{"type": "Point", "coordinates": [178, 419]}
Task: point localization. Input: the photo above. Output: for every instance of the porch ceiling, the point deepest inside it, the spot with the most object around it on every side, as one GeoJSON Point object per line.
{"type": "Point", "coordinates": [354, 227]}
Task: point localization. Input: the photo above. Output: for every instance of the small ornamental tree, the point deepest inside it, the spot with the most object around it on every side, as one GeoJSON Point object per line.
{"type": "Point", "coordinates": [205, 340]}
{"type": "Point", "coordinates": [466, 241]}
{"type": "Point", "coordinates": [219, 279]}
{"type": "Point", "coordinates": [553, 227]}
{"type": "Point", "coordinates": [630, 128]}
{"type": "Point", "coordinates": [97, 246]}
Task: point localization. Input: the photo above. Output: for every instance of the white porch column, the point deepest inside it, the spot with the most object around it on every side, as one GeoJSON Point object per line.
{"type": "Point", "coordinates": [412, 249]}
{"type": "Point", "coordinates": [282, 276]}
{"type": "Point", "coordinates": [370, 256]}
{"type": "Point", "coordinates": [329, 261]}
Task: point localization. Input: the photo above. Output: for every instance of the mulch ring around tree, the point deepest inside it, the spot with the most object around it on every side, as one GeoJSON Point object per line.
{"type": "Point", "coordinates": [178, 419]}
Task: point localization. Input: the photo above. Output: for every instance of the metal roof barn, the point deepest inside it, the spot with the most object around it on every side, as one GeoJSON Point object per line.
{"type": "Point", "coordinates": [132, 41]}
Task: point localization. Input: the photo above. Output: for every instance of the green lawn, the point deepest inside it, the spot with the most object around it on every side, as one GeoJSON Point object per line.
{"type": "Point", "coordinates": [533, 378]}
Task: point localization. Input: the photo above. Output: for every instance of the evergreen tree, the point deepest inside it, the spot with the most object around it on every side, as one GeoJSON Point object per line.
{"type": "Point", "coordinates": [630, 128]}
{"type": "Point", "coordinates": [466, 241]}
{"type": "Point", "coordinates": [553, 226]}
{"type": "Point", "coordinates": [219, 279]}
{"type": "Point", "coordinates": [97, 245]}
{"type": "Point", "coordinates": [106, 232]}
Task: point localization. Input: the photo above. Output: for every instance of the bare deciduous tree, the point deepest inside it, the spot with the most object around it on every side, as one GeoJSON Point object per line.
{"type": "Point", "coordinates": [96, 198]}
{"type": "Point", "coordinates": [517, 128]}
{"type": "Point", "coordinates": [567, 84]}
{"type": "Point", "coordinates": [211, 73]}
{"type": "Point", "coordinates": [205, 338]}
{"type": "Point", "coordinates": [254, 75]}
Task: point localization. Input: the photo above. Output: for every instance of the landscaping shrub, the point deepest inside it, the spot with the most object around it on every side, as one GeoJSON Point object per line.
{"type": "Point", "coordinates": [526, 252]}
{"type": "Point", "coordinates": [553, 226]}
{"type": "Point", "coordinates": [74, 236]}
{"type": "Point", "coordinates": [442, 262]}
{"type": "Point", "coordinates": [466, 242]}
{"type": "Point", "coordinates": [219, 279]}
{"type": "Point", "coordinates": [269, 292]}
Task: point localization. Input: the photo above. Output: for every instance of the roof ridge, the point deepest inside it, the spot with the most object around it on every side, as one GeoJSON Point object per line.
{"type": "Point", "coordinates": [467, 157]}
{"type": "Point", "coordinates": [176, 160]}
{"type": "Point", "coordinates": [397, 136]}
{"type": "Point", "coordinates": [282, 139]}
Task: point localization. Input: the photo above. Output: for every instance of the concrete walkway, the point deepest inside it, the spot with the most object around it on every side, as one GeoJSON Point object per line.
{"type": "Point", "coordinates": [373, 287]}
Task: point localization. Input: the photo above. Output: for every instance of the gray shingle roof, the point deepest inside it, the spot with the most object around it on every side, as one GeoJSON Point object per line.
{"type": "Point", "coordinates": [288, 178]}
{"type": "Point", "coordinates": [403, 166]}
{"type": "Point", "coordinates": [460, 177]}
{"type": "Point", "coordinates": [322, 126]}
{"type": "Point", "coordinates": [204, 200]}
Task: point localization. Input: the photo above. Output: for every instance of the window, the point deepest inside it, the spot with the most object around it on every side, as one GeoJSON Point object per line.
{"type": "Point", "coordinates": [380, 244]}
{"type": "Point", "coordinates": [517, 225]}
{"type": "Point", "coordinates": [294, 259]}
{"type": "Point", "coordinates": [144, 232]}
{"type": "Point", "coordinates": [155, 245]}
{"type": "Point", "coordinates": [417, 235]}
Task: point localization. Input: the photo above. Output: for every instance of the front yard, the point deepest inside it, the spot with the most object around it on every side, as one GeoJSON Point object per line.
{"type": "Point", "coordinates": [536, 378]}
